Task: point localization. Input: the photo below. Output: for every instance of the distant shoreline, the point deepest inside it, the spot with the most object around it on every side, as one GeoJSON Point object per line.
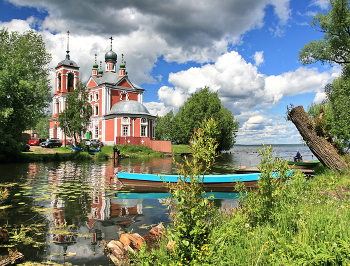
{"type": "Point", "coordinates": [270, 144]}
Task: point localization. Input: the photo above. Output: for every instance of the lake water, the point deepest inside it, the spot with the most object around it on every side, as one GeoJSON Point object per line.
{"type": "Point", "coordinates": [71, 207]}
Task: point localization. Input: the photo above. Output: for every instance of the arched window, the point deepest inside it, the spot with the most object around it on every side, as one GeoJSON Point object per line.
{"type": "Point", "coordinates": [124, 96]}
{"type": "Point", "coordinates": [144, 127]}
{"type": "Point", "coordinates": [96, 109]}
{"type": "Point", "coordinates": [70, 87]}
{"type": "Point", "coordinates": [59, 78]}
{"type": "Point", "coordinates": [143, 131]}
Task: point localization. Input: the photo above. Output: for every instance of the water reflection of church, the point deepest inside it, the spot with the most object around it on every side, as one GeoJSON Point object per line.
{"type": "Point", "coordinates": [107, 217]}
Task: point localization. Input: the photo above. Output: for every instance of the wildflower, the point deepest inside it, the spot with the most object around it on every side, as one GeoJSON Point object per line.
{"type": "Point", "coordinates": [246, 225]}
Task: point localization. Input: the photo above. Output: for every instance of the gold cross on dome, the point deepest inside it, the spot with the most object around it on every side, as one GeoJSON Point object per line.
{"type": "Point", "coordinates": [111, 38]}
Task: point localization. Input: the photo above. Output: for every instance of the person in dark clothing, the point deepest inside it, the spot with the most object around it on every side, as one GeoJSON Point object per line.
{"type": "Point", "coordinates": [298, 157]}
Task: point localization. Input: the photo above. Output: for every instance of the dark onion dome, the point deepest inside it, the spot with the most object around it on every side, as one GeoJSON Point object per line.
{"type": "Point", "coordinates": [67, 62]}
{"type": "Point", "coordinates": [100, 72]}
{"type": "Point", "coordinates": [111, 56]}
{"type": "Point", "coordinates": [129, 107]}
{"type": "Point", "coordinates": [95, 66]}
{"type": "Point", "coordinates": [122, 66]}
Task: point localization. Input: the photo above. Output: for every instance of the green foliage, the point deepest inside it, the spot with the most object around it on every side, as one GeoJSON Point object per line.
{"type": "Point", "coordinates": [273, 187]}
{"type": "Point", "coordinates": [296, 222]}
{"type": "Point", "coordinates": [201, 105]}
{"type": "Point", "coordinates": [164, 126]}
{"type": "Point", "coordinates": [339, 118]}
{"type": "Point", "coordinates": [10, 149]}
{"type": "Point", "coordinates": [24, 85]}
{"type": "Point", "coordinates": [320, 114]}
{"type": "Point", "coordinates": [76, 117]}
{"type": "Point", "coordinates": [101, 156]}
{"type": "Point", "coordinates": [335, 45]}
{"type": "Point", "coordinates": [293, 221]}
{"type": "Point", "coordinates": [192, 213]}
{"type": "Point", "coordinates": [332, 117]}
{"type": "Point", "coordinates": [81, 156]}
{"type": "Point", "coordinates": [43, 126]}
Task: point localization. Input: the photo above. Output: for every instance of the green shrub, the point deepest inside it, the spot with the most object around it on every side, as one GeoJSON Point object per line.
{"type": "Point", "coordinates": [287, 221]}
{"type": "Point", "coordinates": [81, 156]}
{"type": "Point", "coordinates": [101, 156]}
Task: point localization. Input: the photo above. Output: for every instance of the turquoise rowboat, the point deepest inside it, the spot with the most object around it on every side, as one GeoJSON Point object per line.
{"type": "Point", "coordinates": [138, 182]}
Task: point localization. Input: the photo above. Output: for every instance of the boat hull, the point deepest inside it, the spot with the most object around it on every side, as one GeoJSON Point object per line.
{"type": "Point", "coordinates": [304, 164]}
{"type": "Point", "coordinates": [136, 182]}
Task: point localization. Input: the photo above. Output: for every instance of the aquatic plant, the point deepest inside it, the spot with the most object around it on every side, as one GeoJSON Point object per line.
{"type": "Point", "coordinates": [3, 193]}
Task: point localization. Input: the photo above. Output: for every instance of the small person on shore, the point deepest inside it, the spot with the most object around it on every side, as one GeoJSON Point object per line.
{"type": "Point", "coordinates": [298, 157]}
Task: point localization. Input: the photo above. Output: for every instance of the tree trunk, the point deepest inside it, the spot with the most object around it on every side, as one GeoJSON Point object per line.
{"type": "Point", "coordinates": [319, 146]}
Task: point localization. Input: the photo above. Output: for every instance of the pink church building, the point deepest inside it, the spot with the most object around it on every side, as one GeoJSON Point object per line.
{"type": "Point", "coordinates": [119, 116]}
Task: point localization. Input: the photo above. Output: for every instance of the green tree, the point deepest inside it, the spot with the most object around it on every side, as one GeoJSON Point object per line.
{"type": "Point", "coordinates": [164, 126]}
{"type": "Point", "coordinates": [203, 105]}
{"type": "Point", "coordinates": [43, 127]}
{"type": "Point", "coordinates": [331, 118]}
{"type": "Point", "coordinates": [76, 117]}
{"type": "Point", "coordinates": [338, 117]}
{"type": "Point", "coordinates": [335, 45]}
{"type": "Point", "coordinates": [24, 84]}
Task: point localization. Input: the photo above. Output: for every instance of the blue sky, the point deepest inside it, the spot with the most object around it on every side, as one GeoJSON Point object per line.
{"type": "Point", "coordinates": [247, 51]}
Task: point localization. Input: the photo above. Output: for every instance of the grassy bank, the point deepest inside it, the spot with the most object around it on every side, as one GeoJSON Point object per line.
{"type": "Point", "coordinates": [298, 222]}
{"type": "Point", "coordinates": [132, 151]}
{"type": "Point", "coordinates": [56, 154]}
{"type": "Point", "coordinates": [65, 153]}
{"type": "Point", "coordinates": [177, 149]}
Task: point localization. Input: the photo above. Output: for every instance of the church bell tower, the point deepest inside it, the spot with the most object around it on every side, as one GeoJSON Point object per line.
{"type": "Point", "coordinates": [66, 80]}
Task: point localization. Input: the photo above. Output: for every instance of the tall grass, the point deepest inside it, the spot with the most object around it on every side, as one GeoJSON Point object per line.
{"type": "Point", "coordinates": [287, 220]}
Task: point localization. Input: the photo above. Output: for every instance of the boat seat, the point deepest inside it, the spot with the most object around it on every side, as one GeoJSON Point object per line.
{"type": "Point", "coordinates": [299, 159]}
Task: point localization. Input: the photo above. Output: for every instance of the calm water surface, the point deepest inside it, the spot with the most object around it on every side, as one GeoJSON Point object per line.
{"type": "Point", "coordinates": [71, 207]}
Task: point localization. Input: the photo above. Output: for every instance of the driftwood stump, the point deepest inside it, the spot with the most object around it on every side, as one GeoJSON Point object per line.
{"type": "Point", "coordinates": [319, 146]}
{"type": "Point", "coordinates": [132, 243]}
{"type": "Point", "coordinates": [12, 259]}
